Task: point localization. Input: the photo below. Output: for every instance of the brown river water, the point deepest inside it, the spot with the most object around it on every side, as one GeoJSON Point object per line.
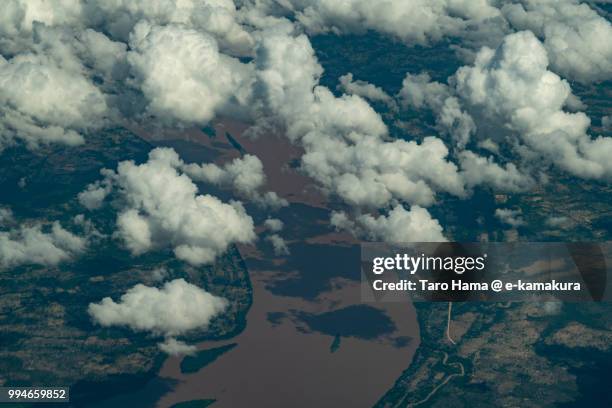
{"type": "Point", "coordinates": [283, 362]}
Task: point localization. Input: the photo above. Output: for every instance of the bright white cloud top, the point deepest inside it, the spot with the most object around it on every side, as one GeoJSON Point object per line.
{"type": "Point", "coordinates": [419, 22]}
{"type": "Point", "coordinates": [42, 102]}
{"type": "Point", "coordinates": [400, 226]}
{"type": "Point", "coordinates": [158, 207]}
{"type": "Point", "coordinates": [244, 174]}
{"type": "Point", "coordinates": [576, 38]}
{"type": "Point", "coordinates": [183, 75]}
{"type": "Point", "coordinates": [345, 140]}
{"type": "Point", "coordinates": [512, 84]}
{"type": "Point", "coordinates": [32, 245]}
{"type": "Point", "coordinates": [70, 67]}
{"type": "Point", "coordinates": [175, 309]}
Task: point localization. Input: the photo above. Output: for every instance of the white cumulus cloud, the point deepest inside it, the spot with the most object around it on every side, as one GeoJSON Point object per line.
{"type": "Point", "coordinates": [175, 347]}
{"type": "Point", "coordinates": [513, 86]}
{"type": "Point", "coordinates": [42, 102]}
{"type": "Point", "coordinates": [278, 244]}
{"type": "Point", "coordinates": [38, 244]}
{"type": "Point", "coordinates": [510, 217]}
{"type": "Point", "coordinates": [419, 21]}
{"type": "Point", "coordinates": [244, 174]}
{"type": "Point", "coordinates": [418, 91]}
{"type": "Point", "coordinates": [272, 224]}
{"type": "Point", "coordinates": [176, 308]}
{"type": "Point", "coordinates": [347, 149]}
{"type": "Point", "coordinates": [183, 75]}
{"type": "Point", "coordinates": [576, 38]}
{"type": "Point", "coordinates": [217, 18]}
{"type": "Point", "coordinates": [366, 90]}
{"type": "Point", "coordinates": [158, 206]}
{"type": "Point", "coordinates": [400, 225]}
{"type": "Point", "coordinates": [19, 17]}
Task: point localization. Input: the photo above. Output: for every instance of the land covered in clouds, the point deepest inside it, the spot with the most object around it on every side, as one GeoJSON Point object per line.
{"type": "Point", "coordinates": [503, 120]}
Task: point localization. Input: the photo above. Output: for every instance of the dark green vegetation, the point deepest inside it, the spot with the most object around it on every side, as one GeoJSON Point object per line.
{"type": "Point", "coordinates": [582, 209]}
{"type": "Point", "coordinates": [192, 364]}
{"type": "Point", "coordinates": [234, 143]}
{"type": "Point", "coordinates": [194, 404]}
{"type": "Point", "coordinates": [209, 131]}
{"type": "Point", "coordinates": [335, 344]}
{"type": "Point", "coordinates": [378, 59]}
{"type": "Point", "coordinates": [518, 354]}
{"type": "Point", "coordinates": [47, 337]}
